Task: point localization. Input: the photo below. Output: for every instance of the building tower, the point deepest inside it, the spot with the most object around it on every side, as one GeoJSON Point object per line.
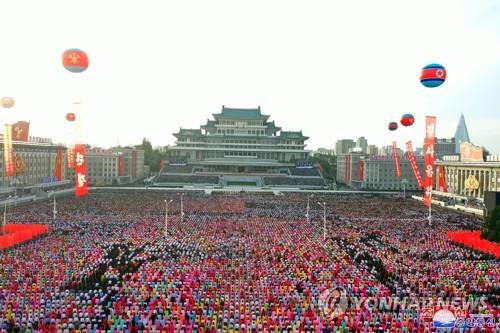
{"type": "Point", "coordinates": [461, 134]}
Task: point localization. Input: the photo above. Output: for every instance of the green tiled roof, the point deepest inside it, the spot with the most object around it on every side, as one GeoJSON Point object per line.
{"type": "Point", "coordinates": [235, 113]}
{"type": "Point", "coordinates": [189, 132]}
{"type": "Point", "coordinates": [292, 135]}
{"type": "Point", "coordinates": [271, 125]}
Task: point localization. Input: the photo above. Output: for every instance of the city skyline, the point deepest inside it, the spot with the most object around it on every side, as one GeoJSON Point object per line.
{"type": "Point", "coordinates": [334, 71]}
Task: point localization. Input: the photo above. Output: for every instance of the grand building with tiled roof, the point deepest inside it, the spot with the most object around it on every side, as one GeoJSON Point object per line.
{"type": "Point", "coordinates": [239, 140]}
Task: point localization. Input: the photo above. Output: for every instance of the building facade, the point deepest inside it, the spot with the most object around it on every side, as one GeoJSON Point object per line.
{"type": "Point", "coordinates": [133, 162]}
{"type": "Point", "coordinates": [35, 163]}
{"type": "Point", "coordinates": [362, 143]}
{"type": "Point", "coordinates": [344, 146]}
{"type": "Point", "coordinates": [239, 140]}
{"type": "Point", "coordinates": [360, 171]}
{"type": "Point", "coordinates": [444, 147]}
{"type": "Point", "coordinates": [471, 178]}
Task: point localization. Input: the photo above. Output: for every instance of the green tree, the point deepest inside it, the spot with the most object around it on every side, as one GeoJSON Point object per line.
{"type": "Point", "coordinates": [328, 164]}
{"type": "Point", "coordinates": [152, 157]}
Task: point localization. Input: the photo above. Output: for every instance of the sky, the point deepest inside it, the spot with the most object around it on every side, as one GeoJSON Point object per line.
{"type": "Point", "coordinates": [333, 69]}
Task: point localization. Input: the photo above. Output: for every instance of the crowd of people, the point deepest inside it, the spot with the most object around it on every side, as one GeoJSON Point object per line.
{"type": "Point", "coordinates": [239, 263]}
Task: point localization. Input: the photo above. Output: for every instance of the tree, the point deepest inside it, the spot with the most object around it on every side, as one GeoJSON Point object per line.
{"type": "Point", "coordinates": [152, 157]}
{"type": "Point", "coordinates": [491, 226]}
{"type": "Point", "coordinates": [328, 165]}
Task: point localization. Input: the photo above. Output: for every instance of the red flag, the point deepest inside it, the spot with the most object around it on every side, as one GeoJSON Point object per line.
{"type": "Point", "coordinates": [81, 184]}
{"type": "Point", "coordinates": [8, 152]}
{"type": "Point", "coordinates": [20, 131]}
{"type": "Point", "coordinates": [430, 138]}
{"type": "Point", "coordinates": [361, 169]}
{"type": "Point", "coordinates": [395, 155]}
{"type": "Point", "coordinates": [58, 167]}
{"type": "Point", "coordinates": [441, 181]}
{"type": "Point", "coordinates": [413, 164]}
{"type": "Point", "coordinates": [120, 165]}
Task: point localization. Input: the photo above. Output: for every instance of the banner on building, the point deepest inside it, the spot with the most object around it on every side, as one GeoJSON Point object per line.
{"type": "Point", "coordinates": [347, 168]}
{"type": "Point", "coordinates": [58, 166]}
{"type": "Point", "coordinates": [19, 164]}
{"type": "Point", "coordinates": [471, 153]}
{"type": "Point", "coordinates": [395, 155]}
{"type": "Point", "coordinates": [20, 131]}
{"type": "Point", "coordinates": [70, 154]}
{"type": "Point", "coordinates": [120, 165]}
{"type": "Point", "coordinates": [441, 179]}
{"type": "Point", "coordinates": [81, 184]}
{"type": "Point", "coordinates": [8, 152]}
{"type": "Point", "coordinates": [361, 170]}
{"type": "Point", "coordinates": [430, 140]}
{"type": "Point", "coordinates": [414, 165]}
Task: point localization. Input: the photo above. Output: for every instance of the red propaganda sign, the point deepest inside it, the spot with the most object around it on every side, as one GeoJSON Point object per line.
{"type": "Point", "coordinates": [430, 139]}
{"type": "Point", "coordinates": [81, 184]}
{"type": "Point", "coordinates": [58, 167]}
{"type": "Point", "coordinates": [20, 131]}
{"type": "Point", "coordinates": [395, 155]}
{"type": "Point", "coordinates": [413, 164]}
{"type": "Point", "coordinates": [441, 180]}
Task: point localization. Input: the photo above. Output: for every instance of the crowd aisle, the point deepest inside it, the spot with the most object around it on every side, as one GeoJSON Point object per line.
{"type": "Point", "coordinates": [247, 263]}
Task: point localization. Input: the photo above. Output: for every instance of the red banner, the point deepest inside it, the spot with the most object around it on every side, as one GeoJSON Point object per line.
{"type": "Point", "coordinates": [120, 165]}
{"type": "Point", "coordinates": [70, 154]}
{"type": "Point", "coordinates": [347, 168]}
{"type": "Point", "coordinates": [58, 167]}
{"type": "Point", "coordinates": [134, 164]}
{"type": "Point", "coordinates": [81, 184]}
{"type": "Point", "coordinates": [430, 140]}
{"type": "Point", "coordinates": [395, 155]}
{"type": "Point", "coordinates": [8, 152]}
{"type": "Point", "coordinates": [441, 180]}
{"type": "Point", "coordinates": [20, 131]}
{"type": "Point", "coordinates": [361, 170]}
{"type": "Point", "coordinates": [413, 164]}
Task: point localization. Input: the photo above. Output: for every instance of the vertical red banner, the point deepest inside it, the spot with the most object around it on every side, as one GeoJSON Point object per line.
{"type": "Point", "coordinates": [120, 165]}
{"type": "Point", "coordinates": [81, 184]}
{"type": "Point", "coordinates": [70, 153]}
{"type": "Point", "coordinates": [430, 140]}
{"type": "Point", "coordinates": [413, 164]}
{"type": "Point", "coordinates": [441, 180]}
{"type": "Point", "coordinates": [58, 167]}
{"type": "Point", "coordinates": [347, 168]}
{"type": "Point", "coordinates": [395, 155]}
{"type": "Point", "coordinates": [361, 170]}
{"type": "Point", "coordinates": [8, 152]}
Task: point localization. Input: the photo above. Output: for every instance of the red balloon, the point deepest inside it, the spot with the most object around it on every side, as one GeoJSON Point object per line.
{"type": "Point", "coordinates": [75, 60]}
{"type": "Point", "coordinates": [393, 126]}
{"type": "Point", "coordinates": [70, 117]}
{"type": "Point", "coordinates": [407, 119]}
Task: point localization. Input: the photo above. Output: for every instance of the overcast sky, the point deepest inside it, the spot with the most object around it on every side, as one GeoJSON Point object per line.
{"type": "Point", "coordinates": [334, 69]}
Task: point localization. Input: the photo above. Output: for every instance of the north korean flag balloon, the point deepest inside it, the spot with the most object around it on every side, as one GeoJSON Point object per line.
{"type": "Point", "coordinates": [75, 60]}
{"type": "Point", "coordinates": [393, 126]}
{"type": "Point", "coordinates": [70, 117]}
{"type": "Point", "coordinates": [433, 75]}
{"type": "Point", "coordinates": [407, 119]}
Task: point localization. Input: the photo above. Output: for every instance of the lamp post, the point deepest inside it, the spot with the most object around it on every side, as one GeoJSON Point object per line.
{"type": "Point", "coordinates": [54, 207]}
{"type": "Point", "coordinates": [324, 218]}
{"type": "Point", "coordinates": [166, 217]}
{"type": "Point", "coordinates": [308, 216]}
{"type": "Point", "coordinates": [4, 222]}
{"type": "Point", "coordinates": [404, 182]}
{"type": "Point", "coordinates": [182, 207]}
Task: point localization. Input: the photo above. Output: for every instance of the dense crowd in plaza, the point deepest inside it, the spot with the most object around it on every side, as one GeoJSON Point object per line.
{"type": "Point", "coordinates": [242, 263]}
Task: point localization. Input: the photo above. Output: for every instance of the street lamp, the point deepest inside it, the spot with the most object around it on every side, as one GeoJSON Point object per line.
{"type": "Point", "coordinates": [309, 196]}
{"type": "Point", "coordinates": [404, 182]}
{"type": "Point", "coordinates": [182, 208]}
{"type": "Point", "coordinates": [324, 218]}
{"type": "Point", "coordinates": [166, 216]}
{"type": "Point", "coordinates": [54, 209]}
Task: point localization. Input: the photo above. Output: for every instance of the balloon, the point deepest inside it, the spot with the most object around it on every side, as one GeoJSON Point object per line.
{"type": "Point", "coordinates": [75, 60]}
{"type": "Point", "coordinates": [393, 126]}
{"type": "Point", "coordinates": [8, 102]}
{"type": "Point", "coordinates": [433, 75]}
{"type": "Point", "coordinates": [70, 116]}
{"type": "Point", "coordinates": [407, 119]}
